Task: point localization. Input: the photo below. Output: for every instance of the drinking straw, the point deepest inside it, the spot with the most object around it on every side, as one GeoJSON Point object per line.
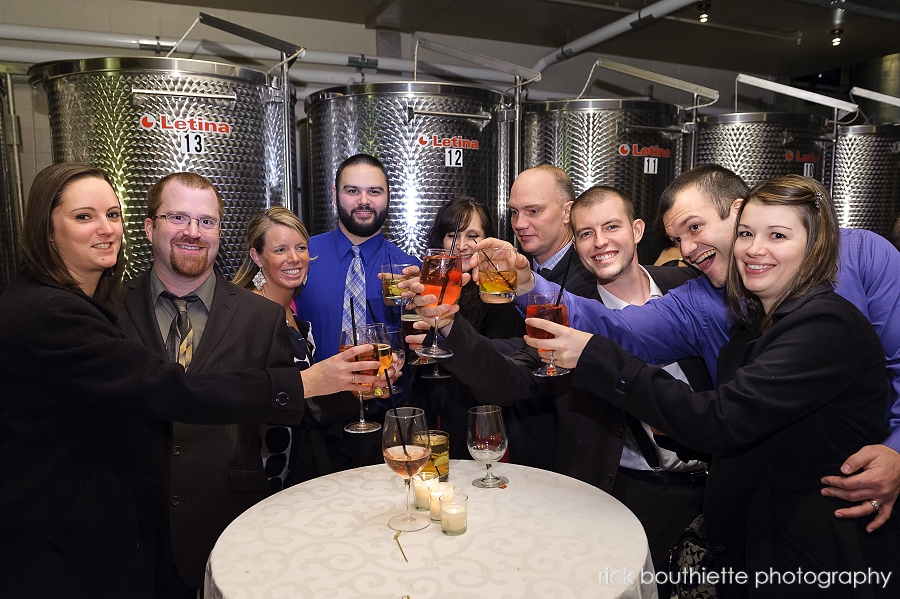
{"type": "Point", "coordinates": [494, 266]}
{"type": "Point", "coordinates": [399, 423]}
{"type": "Point", "coordinates": [353, 322]}
{"type": "Point", "coordinates": [452, 247]}
{"type": "Point", "coordinates": [562, 285]}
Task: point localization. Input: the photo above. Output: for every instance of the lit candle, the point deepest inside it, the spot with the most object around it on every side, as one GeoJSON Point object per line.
{"type": "Point", "coordinates": [437, 490]}
{"type": "Point", "coordinates": [422, 483]}
{"type": "Point", "coordinates": [453, 514]}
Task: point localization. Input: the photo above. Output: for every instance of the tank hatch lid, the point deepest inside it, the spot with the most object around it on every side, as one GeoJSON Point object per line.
{"type": "Point", "coordinates": [46, 71]}
{"type": "Point", "coordinates": [587, 104]}
{"type": "Point", "coordinates": [405, 88]}
{"type": "Point", "coordinates": [761, 117]}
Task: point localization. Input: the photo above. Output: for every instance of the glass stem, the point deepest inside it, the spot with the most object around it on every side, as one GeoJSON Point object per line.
{"type": "Point", "coordinates": [362, 409]}
{"type": "Point", "coordinates": [434, 339]}
{"type": "Point", "coordinates": [408, 482]}
{"type": "Point", "coordinates": [490, 473]}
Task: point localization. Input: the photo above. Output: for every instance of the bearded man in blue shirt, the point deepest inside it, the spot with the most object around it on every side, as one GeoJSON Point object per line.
{"type": "Point", "coordinates": [698, 211]}
{"type": "Point", "coordinates": [344, 269]}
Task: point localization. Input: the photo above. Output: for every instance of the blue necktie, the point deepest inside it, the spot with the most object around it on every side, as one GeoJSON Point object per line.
{"type": "Point", "coordinates": [355, 291]}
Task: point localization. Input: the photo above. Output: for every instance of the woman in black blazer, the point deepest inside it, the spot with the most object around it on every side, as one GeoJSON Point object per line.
{"type": "Point", "coordinates": [801, 386]}
{"type": "Point", "coordinates": [84, 413]}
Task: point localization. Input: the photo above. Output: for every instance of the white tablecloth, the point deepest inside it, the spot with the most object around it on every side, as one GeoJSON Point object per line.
{"type": "Point", "coordinates": [545, 535]}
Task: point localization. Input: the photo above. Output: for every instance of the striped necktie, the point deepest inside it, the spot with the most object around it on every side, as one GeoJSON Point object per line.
{"type": "Point", "coordinates": [180, 342]}
{"type": "Point", "coordinates": [354, 291]}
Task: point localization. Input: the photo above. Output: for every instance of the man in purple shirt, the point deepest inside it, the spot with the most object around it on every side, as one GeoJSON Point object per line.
{"type": "Point", "coordinates": [699, 210]}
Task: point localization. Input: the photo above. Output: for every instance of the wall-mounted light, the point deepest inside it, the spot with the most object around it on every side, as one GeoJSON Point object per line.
{"type": "Point", "coordinates": [836, 37]}
{"type": "Point", "coordinates": [703, 7]}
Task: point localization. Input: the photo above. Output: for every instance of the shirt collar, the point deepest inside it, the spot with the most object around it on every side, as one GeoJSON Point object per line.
{"type": "Point", "coordinates": [553, 260]}
{"type": "Point", "coordinates": [205, 291]}
{"type": "Point", "coordinates": [611, 301]}
{"type": "Point", "coordinates": [367, 248]}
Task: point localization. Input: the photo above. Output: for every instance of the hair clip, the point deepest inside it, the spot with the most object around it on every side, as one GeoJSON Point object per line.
{"type": "Point", "coordinates": [819, 196]}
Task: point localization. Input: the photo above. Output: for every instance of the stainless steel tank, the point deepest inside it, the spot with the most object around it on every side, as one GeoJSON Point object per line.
{"type": "Point", "coordinates": [762, 145]}
{"type": "Point", "coordinates": [10, 210]}
{"type": "Point", "coordinates": [436, 141]}
{"type": "Point", "coordinates": [867, 177]}
{"type": "Point", "coordinates": [634, 145]}
{"type": "Point", "coordinates": [143, 118]}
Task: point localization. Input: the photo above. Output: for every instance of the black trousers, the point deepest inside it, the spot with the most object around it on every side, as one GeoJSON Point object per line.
{"type": "Point", "coordinates": [663, 510]}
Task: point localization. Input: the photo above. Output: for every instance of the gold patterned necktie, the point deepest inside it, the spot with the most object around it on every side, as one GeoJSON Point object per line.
{"type": "Point", "coordinates": [180, 341]}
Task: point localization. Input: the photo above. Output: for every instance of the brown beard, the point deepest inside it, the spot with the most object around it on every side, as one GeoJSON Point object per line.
{"type": "Point", "coordinates": [186, 266]}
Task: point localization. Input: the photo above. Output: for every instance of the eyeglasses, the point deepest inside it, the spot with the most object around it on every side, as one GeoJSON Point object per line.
{"type": "Point", "coordinates": [183, 221]}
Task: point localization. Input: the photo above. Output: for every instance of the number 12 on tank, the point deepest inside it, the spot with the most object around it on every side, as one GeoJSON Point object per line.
{"type": "Point", "coordinates": [192, 143]}
{"type": "Point", "coordinates": [453, 157]}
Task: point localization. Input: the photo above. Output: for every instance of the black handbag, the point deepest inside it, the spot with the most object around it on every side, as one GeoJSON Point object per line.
{"type": "Point", "coordinates": [691, 554]}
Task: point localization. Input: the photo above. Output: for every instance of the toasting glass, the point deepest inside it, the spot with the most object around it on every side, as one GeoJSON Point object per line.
{"type": "Point", "coordinates": [486, 440]}
{"type": "Point", "coordinates": [442, 277]}
{"type": "Point", "coordinates": [408, 318]}
{"type": "Point", "coordinates": [545, 306]}
{"type": "Point", "coordinates": [360, 336]}
{"type": "Point", "coordinates": [404, 444]}
{"type": "Point", "coordinates": [395, 338]}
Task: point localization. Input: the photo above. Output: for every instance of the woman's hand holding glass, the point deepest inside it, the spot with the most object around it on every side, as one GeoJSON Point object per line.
{"type": "Point", "coordinates": [567, 343]}
{"type": "Point", "coordinates": [341, 373]}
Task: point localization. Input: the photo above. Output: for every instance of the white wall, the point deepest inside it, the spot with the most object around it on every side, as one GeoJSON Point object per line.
{"type": "Point", "coordinates": [149, 19]}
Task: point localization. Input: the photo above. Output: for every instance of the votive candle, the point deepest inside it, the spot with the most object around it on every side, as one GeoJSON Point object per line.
{"type": "Point", "coordinates": [437, 490]}
{"type": "Point", "coordinates": [454, 514]}
{"type": "Point", "coordinates": [422, 483]}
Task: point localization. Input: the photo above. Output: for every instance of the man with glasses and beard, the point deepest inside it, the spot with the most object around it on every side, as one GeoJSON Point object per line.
{"type": "Point", "coordinates": [344, 268]}
{"type": "Point", "coordinates": [215, 472]}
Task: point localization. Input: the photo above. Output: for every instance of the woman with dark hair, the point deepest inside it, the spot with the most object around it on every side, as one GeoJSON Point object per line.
{"type": "Point", "coordinates": [446, 401]}
{"type": "Point", "coordinates": [83, 414]}
{"type": "Point", "coordinates": [801, 386]}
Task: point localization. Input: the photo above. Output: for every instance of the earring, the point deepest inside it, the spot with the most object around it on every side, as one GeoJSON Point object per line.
{"type": "Point", "coordinates": [259, 279]}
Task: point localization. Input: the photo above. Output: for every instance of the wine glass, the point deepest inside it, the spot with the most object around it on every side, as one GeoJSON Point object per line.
{"type": "Point", "coordinates": [395, 339]}
{"type": "Point", "coordinates": [541, 305]}
{"type": "Point", "coordinates": [404, 444]}
{"type": "Point", "coordinates": [486, 440]}
{"type": "Point", "coordinates": [384, 353]}
{"type": "Point", "coordinates": [442, 277]}
{"type": "Point", "coordinates": [359, 336]}
{"type": "Point", "coordinates": [409, 317]}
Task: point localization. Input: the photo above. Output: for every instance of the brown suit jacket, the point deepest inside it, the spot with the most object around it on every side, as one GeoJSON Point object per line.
{"type": "Point", "coordinates": [215, 472]}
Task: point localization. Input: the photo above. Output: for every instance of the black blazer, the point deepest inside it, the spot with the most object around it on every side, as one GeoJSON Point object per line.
{"type": "Point", "coordinates": [82, 449]}
{"type": "Point", "coordinates": [580, 281]}
{"type": "Point", "coordinates": [792, 404]}
{"type": "Point", "coordinates": [216, 472]}
{"type": "Point", "coordinates": [589, 435]}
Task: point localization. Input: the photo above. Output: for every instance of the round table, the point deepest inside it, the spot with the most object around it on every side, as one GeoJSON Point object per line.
{"type": "Point", "coordinates": [544, 535]}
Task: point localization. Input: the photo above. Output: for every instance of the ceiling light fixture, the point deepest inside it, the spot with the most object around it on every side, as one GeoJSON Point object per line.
{"type": "Point", "coordinates": [836, 37]}
{"type": "Point", "coordinates": [703, 7]}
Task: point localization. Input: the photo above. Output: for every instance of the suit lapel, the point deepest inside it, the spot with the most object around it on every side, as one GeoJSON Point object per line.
{"type": "Point", "coordinates": [220, 316]}
{"type": "Point", "coordinates": [142, 314]}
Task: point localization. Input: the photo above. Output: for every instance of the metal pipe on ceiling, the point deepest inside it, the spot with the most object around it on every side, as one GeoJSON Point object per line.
{"type": "Point", "coordinates": [794, 35]}
{"type": "Point", "coordinates": [31, 33]}
{"type": "Point", "coordinates": [632, 21]}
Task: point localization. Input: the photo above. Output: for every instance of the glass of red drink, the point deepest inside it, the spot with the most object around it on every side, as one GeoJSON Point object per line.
{"type": "Point", "coordinates": [441, 275]}
{"type": "Point", "coordinates": [547, 307]}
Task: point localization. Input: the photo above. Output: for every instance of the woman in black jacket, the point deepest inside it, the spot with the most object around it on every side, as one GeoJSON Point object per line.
{"type": "Point", "coordinates": [84, 413]}
{"type": "Point", "coordinates": [801, 386]}
{"type": "Point", "coordinates": [446, 401]}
